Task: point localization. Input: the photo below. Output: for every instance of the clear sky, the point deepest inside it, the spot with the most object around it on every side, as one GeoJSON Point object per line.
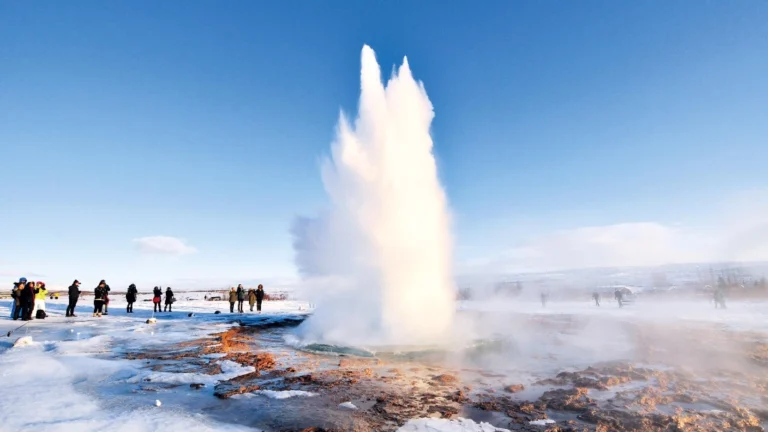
{"type": "Point", "coordinates": [613, 127]}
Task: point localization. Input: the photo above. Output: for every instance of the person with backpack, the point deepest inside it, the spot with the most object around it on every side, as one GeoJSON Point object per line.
{"type": "Point", "coordinates": [27, 301]}
{"type": "Point", "coordinates": [232, 300]}
{"type": "Point", "coordinates": [240, 298]}
{"type": "Point", "coordinates": [259, 297]}
{"type": "Point", "coordinates": [99, 295]}
{"type": "Point", "coordinates": [157, 294]}
{"type": "Point", "coordinates": [40, 295]}
{"type": "Point", "coordinates": [74, 294]}
{"type": "Point", "coordinates": [169, 299]}
{"type": "Point", "coordinates": [130, 297]}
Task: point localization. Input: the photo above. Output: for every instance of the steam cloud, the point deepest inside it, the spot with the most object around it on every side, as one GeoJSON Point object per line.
{"type": "Point", "coordinates": [380, 257]}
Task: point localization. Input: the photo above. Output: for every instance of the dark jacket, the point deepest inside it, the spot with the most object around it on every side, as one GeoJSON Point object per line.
{"type": "Point", "coordinates": [168, 297]}
{"type": "Point", "coordinates": [130, 296]}
{"type": "Point", "coordinates": [157, 292]}
{"type": "Point", "coordinates": [259, 294]}
{"type": "Point", "coordinates": [240, 294]}
{"type": "Point", "coordinates": [74, 292]}
{"type": "Point", "coordinates": [27, 294]}
{"type": "Point", "coordinates": [99, 293]}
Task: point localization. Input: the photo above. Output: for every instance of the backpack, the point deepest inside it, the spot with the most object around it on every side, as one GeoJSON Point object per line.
{"type": "Point", "coordinates": [40, 314]}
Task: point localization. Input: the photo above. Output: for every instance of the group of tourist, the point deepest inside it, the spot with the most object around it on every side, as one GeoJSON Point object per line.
{"type": "Point", "coordinates": [29, 299]}
{"type": "Point", "coordinates": [100, 298]}
{"type": "Point", "coordinates": [255, 296]}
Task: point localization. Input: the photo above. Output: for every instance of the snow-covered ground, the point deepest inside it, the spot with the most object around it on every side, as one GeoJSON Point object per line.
{"type": "Point", "coordinates": [69, 380]}
{"type": "Point", "coordinates": [64, 382]}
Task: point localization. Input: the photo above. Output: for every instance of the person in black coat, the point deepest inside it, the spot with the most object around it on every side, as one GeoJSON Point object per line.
{"type": "Point", "coordinates": [157, 297]}
{"type": "Point", "coordinates": [240, 298]}
{"type": "Point", "coordinates": [259, 297]}
{"type": "Point", "coordinates": [130, 297]}
{"type": "Point", "coordinates": [74, 294]}
{"type": "Point", "coordinates": [27, 301]}
{"type": "Point", "coordinates": [99, 298]}
{"type": "Point", "coordinates": [169, 300]}
{"type": "Point", "coordinates": [106, 296]}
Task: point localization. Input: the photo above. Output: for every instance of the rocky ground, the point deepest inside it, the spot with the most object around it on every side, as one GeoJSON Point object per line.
{"type": "Point", "coordinates": [697, 379]}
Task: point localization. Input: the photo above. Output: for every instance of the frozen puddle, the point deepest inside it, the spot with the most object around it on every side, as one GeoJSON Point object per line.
{"type": "Point", "coordinates": [442, 425]}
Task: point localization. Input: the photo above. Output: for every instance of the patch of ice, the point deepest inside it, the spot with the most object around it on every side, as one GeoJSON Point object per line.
{"type": "Point", "coordinates": [348, 405]}
{"type": "Point", "coordinates": [284, 394]}
{"type": "Point", "coordinates": [543, 422]}
{"type": "Point", "coordinates": [443, 425]}
{"type": "Point", "coordinates": [23, 341]}
{"type": "Point", "coordinates": [228, 366]}
{"type": "Point", "coordinates": [213, 355]}
{"type": "Point", "coordinates": [229, 369]}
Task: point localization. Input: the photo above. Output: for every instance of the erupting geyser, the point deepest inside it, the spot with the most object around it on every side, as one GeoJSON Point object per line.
{"type": "Point", "coordinates": [383, 247]}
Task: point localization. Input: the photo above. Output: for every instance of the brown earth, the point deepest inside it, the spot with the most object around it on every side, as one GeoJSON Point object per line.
{"type": "Point", "coordinates": [615, 396]}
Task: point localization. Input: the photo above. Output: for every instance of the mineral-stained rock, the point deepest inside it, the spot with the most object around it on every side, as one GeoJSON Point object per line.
{"type": "Point", "coordinates": [445, 379]}
{"type": "Point", "coordinates": [514, 388]}
{"type": "Point", "coordinates": [574, 399]}
{"type": "Point", "coordinates": [227, 390]}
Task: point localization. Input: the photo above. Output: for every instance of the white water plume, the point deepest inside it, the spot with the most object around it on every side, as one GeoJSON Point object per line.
{"type": "Point", "coordinates": [385, 240]}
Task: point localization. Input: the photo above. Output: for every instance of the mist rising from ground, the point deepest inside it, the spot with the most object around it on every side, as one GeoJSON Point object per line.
{"type": "Point", "coordinates": [383, 248]}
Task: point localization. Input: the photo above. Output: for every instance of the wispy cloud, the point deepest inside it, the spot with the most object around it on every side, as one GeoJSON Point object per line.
{"type": "Point", "coordinates": [164, 245]}
{"type": "Point", "coordinates": [738, 232]}
{"type": "Point", "coordinates": [626, 244]}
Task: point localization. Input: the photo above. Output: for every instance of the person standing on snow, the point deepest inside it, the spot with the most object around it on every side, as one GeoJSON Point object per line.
{"type": "Point", "coordinates": [18, 287]}
{"type": "Point", "coordinates": [106, 296]}
{"type": "Point", "coordinates": [99, 295]}
{"type": "Point", "coordinates": [596, 298]}
{"type": "Point", "coordinates": [251, 298]}
{"type": "Point", "coordinates": [130, 297]}
{"type": "Point", "coordinates": [157, 297]}
{"type": "Point", "coordinates": [232, 300]}
{"type": "Point", "coordinates": [259, 297]}
{"type": "Point", "coordinates": [619, 297]}
{"type": "Point", "coordinates": [240, 298]}
{"type": "Point", "coordinates": [27, 301]}
{"type": "Point", "coordinates": [40, 294]}
{"type": "Point", "coordinates": [74, 294]}
{"type": "Point", "coordinates": [169, 299]}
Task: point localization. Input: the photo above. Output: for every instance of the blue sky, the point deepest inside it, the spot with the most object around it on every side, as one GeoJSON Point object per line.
{"type": "Point", "coordinates": [206, 122]}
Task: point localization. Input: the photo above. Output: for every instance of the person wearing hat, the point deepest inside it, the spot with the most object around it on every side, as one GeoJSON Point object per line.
{"type": "Point", "coordinates": [259, 297]}
{"type": "Point", "coordinates": [232, 300]}
{"type": "Point", "coordinates": [106, 296]}
{"type": "Point", "coordinates": [16, 294]}
{"type": "Point", "coordinates": [74, 294]}
{"type": "Point", "coordinates": [99, 294]}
